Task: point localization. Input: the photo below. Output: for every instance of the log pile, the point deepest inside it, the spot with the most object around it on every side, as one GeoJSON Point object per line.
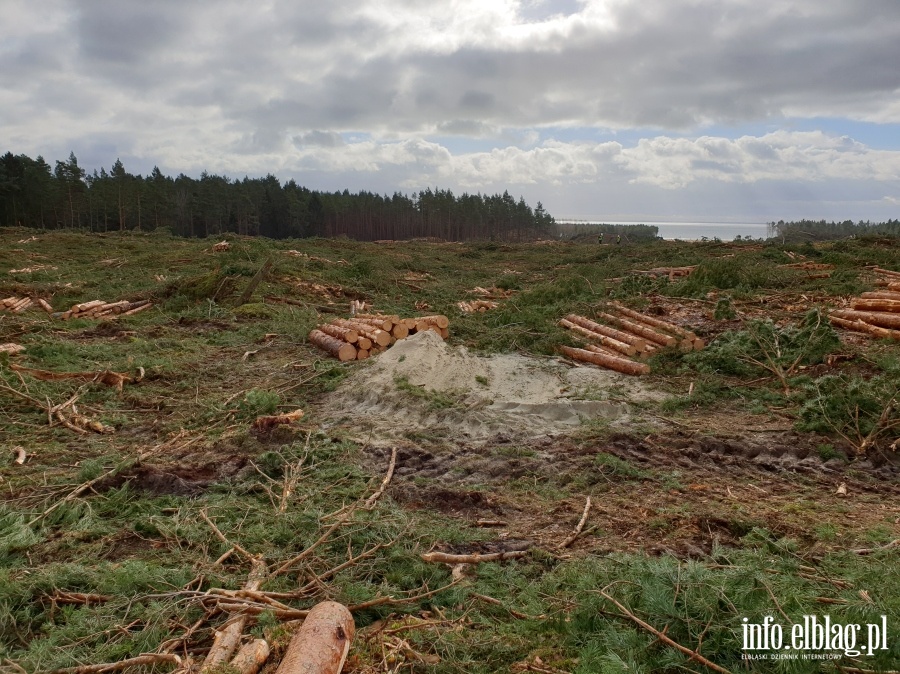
{"type": "Point", "coordinates": [671, 272]}
{"type": "Point", "coordinates": [364, 335]}
{"type": "Point", "coordinates": [625, 338]}
{"type": "Point", "coordinates": [813, 270]}
{"type": "Point", "coordinates": [221, 247]}
{"type": "Point", "coordinates": [16, 305]}
{"type": "Point", "coordinates": [886, 277]}
{"type": "Point", "coordinates": [876, 314]}
{"type": "Point", "coordinates": [103, 309]}
{"type": "Point", "coordinates": [475, 306]}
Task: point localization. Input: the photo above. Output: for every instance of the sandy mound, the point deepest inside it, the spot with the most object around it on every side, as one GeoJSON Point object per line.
{"type": "Point", "coordinates": [423, 388]}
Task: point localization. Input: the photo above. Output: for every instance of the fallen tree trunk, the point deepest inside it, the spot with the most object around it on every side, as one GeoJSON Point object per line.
{"type": "Point", "coordinates": [622, 365]}
{"type": "Point", "coordinates": [85, 306]}
{"type": "Point", "coordinates": [861, 326]}
{"type": "Point", "coordinates": [322, 643]}
{"type": "Point", "coordinates": [338, 348]}
{"type": "Point", "coordinates": [608, 342]}
{"type": "Point", "coordinates": [880, 318]}
{"type": "Point", "coordinates": [346, 334]}
{"type": "Point", "coordinates": [637, 342]}
{"type": "Point", "coordinates": [876, 305]}
{"type": "Point", "coordinates": [644, 331]}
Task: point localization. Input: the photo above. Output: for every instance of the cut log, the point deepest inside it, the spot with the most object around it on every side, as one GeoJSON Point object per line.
{"type": "Point", "coordinates": [860, 326]}
{"type": "Point", "coordinates": [400, 331]}
{"type": "Point", "coordinates": [422, 326]}
{"type": "Point", "coordinates": [644, 331]}
{"type": "Point", "coordinates": [376, 322]}
{"type": "Point", "coordinates": [596, 348]}
{"type": "Point", "coordinates": [638, 343]}
{"type": "Point", "coordinates": [881, 295]}
{"type": "Point", "coordinates": [11, 348]}
{"type": "Point", "coordinates": [475, 558]}
{"type": "Point", "coordinates": [364, 343]}
{"type": "Point", "coordinates": [322, 643]}
{"type": "Point", "coordinates": [378, 336]}
{"type": "Point", "coordinates": [22, 306]}
{"type": "Point", "coordinates": [445, 333]}
{"type": "Point", "coordinates": [894, 287]}
{"type": "Point", "coordinates": [655, 322]}
{"type": "Point", "coordinates": [622, 365]}
{"type": "Point", "coordinates": [882, 319]}
{"type": "Point", "coordinates": [84, 306]}
{"type": "Point", "coordinates": [884, 272]}
{"type": "Point", "coordinates": [9, 301]}
{"type": "Point", "coordinates": [136, 310]}
{"type": "Point", "coordinates": [255, 281]}
{"type": "Point", "coordinates": [335, 347]}
{"type": "Point", "coordinates": [438, 320]}
{"type": "Point", "coordinates": [346, 334]}
{"type": "Point", "coordinates": [45, 305]}
{"type": "Point", "coordinates": [362, 354]}
{"type": "Point", "coordinates": [251, 657]}
{"type": "Point", "coordinates": [876, 305]}
{"type": "Point", "coordinates": [615, 344]}
{"type": "Point", "coordinates": [410, 323]}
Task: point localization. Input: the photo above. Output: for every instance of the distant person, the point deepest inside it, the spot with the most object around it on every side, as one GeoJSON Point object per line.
{"type": "Point", "coordinates": [618, 239]}
{"type": "Point", "coordinates": [600, 238]}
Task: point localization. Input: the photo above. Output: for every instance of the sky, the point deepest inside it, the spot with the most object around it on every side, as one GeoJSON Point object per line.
{"type": "Point", "coordinates": [615, 110]}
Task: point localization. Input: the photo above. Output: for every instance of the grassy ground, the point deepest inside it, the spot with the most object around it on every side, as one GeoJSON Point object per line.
{"type": "Point", "coordinates": [687, 532]}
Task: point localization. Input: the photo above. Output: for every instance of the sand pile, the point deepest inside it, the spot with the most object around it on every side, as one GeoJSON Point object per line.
{"type": "Point", "coordinates": [424, 388]}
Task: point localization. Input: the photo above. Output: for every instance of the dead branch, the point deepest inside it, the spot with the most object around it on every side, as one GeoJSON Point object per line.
{"type": "Point", "coordinates": [288, 565]}
{"type": "Point", "coordinates": [221, 537]}
{"type": "Point", "coordinates": [148, 659]}
{"type": "Point", "coordinates": [476, 558]}
{"type": "Point", "coordinates": [693, 655]}
{"type": "Point", "coordinates": [373, 499]}
{"type": "Point", "coordinates": [888, 546]}
{"type": "Point", "coordinates": [251, 657]}
{"type": "Point", "coordinates": [512, 612]}
{"type": "Point", "coordinates": [575, 534]}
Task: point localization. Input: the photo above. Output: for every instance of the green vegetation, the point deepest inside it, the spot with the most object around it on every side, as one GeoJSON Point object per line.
{"type": "Point", "coordinates": [687, 541]}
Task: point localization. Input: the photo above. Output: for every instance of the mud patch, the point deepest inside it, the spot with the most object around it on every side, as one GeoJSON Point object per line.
{"type": "Point", "coordinates": [175, 480]}
{"type": "Point", "coordinates": [424, 388]}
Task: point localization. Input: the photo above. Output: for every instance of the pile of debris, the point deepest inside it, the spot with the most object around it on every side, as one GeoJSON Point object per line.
{"type": "Point", "coordinates": [634, 338]}
{"type": "Point", "coordinates": [876, 314]}
{"type": "Point", "coordinates": [671, 272]}
{"type": "Point", "coordinates": [364, 335]}
{"type": "Point", "coordinates": [813, 270]}
{"type": "Point", "coordinates": [103, 309]}
{"type": "Point", "coordinates": [474, 306]}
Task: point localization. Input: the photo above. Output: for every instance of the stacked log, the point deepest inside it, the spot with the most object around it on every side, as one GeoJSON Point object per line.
{"type": "Point", "coordinates": [103, 309]}
{"type": "Point", "coordinates": [368, 335]}
{"type": "Point", "coordinates": [876, 314]}
{"type": "Point", "coordinates": [16, 305]}
{"type": "Point", "coordinates": [634, 336]}
{"type": "Point", "coordinates": [671, 272]}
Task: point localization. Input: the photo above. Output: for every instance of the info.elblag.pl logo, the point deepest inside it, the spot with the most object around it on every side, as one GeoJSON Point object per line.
{"type": "Point", "coordinates": [812, 635]}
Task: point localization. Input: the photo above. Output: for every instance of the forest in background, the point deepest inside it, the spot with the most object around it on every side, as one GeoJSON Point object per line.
{"type": "Point", "coordinates": [820, 230]}
{"type": "Point", "coordinates": [34, 194]}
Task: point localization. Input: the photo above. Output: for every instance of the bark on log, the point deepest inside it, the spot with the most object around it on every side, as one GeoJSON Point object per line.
{"type": "Point", "coordinates": [609, 342]}
{"type": "Point", "coordinates": [860, 326]}
{"type": "Point", "coordinates": [45, 305]}
{"type": "Point", "coordinates": [377, 322]}
{"type": "Point", "coordinates": [251, 657]}
{"type": "Point", "coordinates": [894, 287]}
{"type": "Point", "coordinates": [136, 310]}
{"type": "Point", "coordinates": [876, 305]}
{"type": "Point", "coordinates": [9, 301]}
{"type": "Point", "coordinates": [445, 333]}
{"type": "Point", "coordinates": [335, 347]}
{"type": "Point", "coordinates": [596, 348]}
{"type": "Point", "coordinates": [885, 272]}
{"type": "Point", "coordinates": [322, 643]}
{"type": "Point", "coordinates": [611, 362]}
{"type": "Point", "coordinates": [655, 322]}
{"type": "Point", "coordinates": [881, 295]}
{"type": "Point", "coordinates": [637, 342]}
{"type": "Point", "coordinates": [644, 331]}
{"type": "Point", "coordinates": [22, 306]}
{"type": "Point", "coordinates": [346, 334]}
{"type": "Point", "coordinates": [881, 319]}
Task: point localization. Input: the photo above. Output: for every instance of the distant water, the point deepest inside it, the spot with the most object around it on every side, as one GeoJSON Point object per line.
{"type": "Point", "coordinates": [695, 231]}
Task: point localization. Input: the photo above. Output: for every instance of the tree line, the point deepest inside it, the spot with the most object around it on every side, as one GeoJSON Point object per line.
{"type": "Point", "coordinates": [34, 194]}
{"type": "Point", "coordinates": [820, 230]}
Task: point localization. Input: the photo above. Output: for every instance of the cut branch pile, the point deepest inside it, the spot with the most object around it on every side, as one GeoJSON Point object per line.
{"type": "Point", "coordinates": [625, 336]}
{"type": "Point", "coordinates": [103, 309]}
{"type": "Point", "coordinates": [363, 335]}
{"type": "Point", "coordinates": [876, 314]}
